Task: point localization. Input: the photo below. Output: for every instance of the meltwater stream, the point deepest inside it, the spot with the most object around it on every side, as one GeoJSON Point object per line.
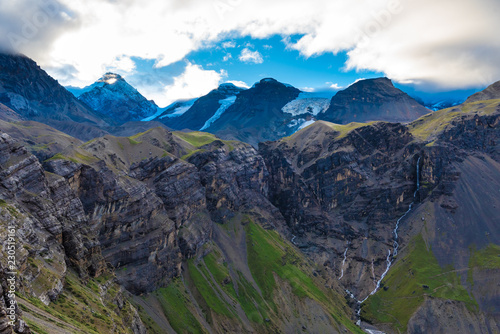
{"type": "Point", "coordinates": [389, 258]}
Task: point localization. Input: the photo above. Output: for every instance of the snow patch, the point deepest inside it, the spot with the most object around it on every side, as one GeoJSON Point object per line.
{"type": "Point", "coordinates": [224, 104]}
{"type": "Point", "coordinates": [306, 124]}
{"type": "Point", "coordinates": [306, 105]}
{"type": "Point", "coordinates": [173, 110]}
{"type": "Point", "coordinates": [178, 111]}
{"type": "Point", "coordinates": [300, 123]}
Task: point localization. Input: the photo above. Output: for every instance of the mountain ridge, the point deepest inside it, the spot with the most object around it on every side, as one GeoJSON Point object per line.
{"type": "Point", "coordinates": [372, 100]}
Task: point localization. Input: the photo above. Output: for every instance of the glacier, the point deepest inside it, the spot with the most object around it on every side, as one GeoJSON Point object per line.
{"type": "Point", "coordinates": [224, 104]}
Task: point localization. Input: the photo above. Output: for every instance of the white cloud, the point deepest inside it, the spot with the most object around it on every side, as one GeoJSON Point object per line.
{"type": "Point", "coordinates": [227, 57]}
{"type": "Point", "coordinates": [229, 45]}
{"type": "Point", "coordinates": [248, 56]}
{"type": "Point", "coordinates": [194, 82]}
{"type": "Point", "coordinates": [459, 49]}
{"type": "Point", "coordinates": [335, 86]}
{"type": "Point", "coordinates": [238, 83]}
{"type": "Point", "coordinates": [307, 89]}
{"type": "Point", "coordinates": [122, 64]}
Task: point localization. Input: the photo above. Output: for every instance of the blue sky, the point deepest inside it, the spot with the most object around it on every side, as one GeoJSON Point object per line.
{"type": "Point", "coordinates": [172, 49]}
{"type": "Point", "coordinates": [268, 57]}
{"type": "Point", "coordinates": [278, 62]}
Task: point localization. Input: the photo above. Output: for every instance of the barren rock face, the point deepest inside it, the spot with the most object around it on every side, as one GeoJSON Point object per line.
{"type": "Point", "coordinates": [130, 223]}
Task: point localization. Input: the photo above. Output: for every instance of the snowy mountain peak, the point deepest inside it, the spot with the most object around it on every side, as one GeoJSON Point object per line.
{"type": "Point", "coordinates": [110, 78]}
{"type": "Point", "coordinates": [271, 82]}
{"type": "Point", "coordinates": [227, 85]}
{"type": "Point", "coordinates": [229, 89]}
{"type": "Point", "coordinates": [111, 95]}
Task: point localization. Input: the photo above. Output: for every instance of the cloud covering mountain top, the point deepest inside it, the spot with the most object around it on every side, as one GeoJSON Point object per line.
{"type": "Point", "coordinates": [444, 44]}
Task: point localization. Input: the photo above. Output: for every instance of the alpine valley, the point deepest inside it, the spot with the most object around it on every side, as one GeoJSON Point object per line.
{"type": "Point", "coordinates": [259, 210]}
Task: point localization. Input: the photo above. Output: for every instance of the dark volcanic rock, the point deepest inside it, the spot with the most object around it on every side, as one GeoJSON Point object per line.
{"type": "Point", "coordinates": [49, 219]}
{"type": "Point", "coordinates": [236, 181]}
{"type": "Point", "coordinates": [178, 185]}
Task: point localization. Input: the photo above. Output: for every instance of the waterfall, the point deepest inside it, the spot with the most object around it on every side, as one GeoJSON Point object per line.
{"type": "Point", "coordinates": [343, 263]}
{"type": "Point", "coordinates": [396, 244]}
{"type": "Point", "coordinates": [389, 258]}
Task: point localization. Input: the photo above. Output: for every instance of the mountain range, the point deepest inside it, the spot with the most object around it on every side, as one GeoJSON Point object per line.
{"type": "Point", "coordinates": [270, 219]}
{"type": "Point", "coordinates": [271, 110]}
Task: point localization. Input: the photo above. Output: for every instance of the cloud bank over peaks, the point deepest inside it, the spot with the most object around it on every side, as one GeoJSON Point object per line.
{"type": "Point", "coordinates": [446, 44]}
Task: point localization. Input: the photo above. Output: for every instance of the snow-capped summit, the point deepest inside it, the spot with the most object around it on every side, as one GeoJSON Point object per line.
{"type": "Point", "coordinates": [110, 78]}
{"type": "Point", "coordinates": [112, 96]}
{"type": "Point", "coordinates": [202, 112]}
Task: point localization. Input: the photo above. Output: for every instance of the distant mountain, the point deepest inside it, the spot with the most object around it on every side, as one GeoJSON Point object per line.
{"type": "Point", "coordinates": [173, 110]}
{"type": "Point", "coordinates": [30, 93]}
{"type": "Point", "coordinates": [491, 92]}
{"type": "Point", "coordinates": [256, 114]}
{"type": "Point", "coordinates": [199, 114]}
{"type": "Point", "coordinates": [267, 103]}
{"type": "Point", "coordinates": [435, 106]}
{"type": "Point", "coordinates": [112, 96]}
{"type": "Point", "coordinates": [372, 100]}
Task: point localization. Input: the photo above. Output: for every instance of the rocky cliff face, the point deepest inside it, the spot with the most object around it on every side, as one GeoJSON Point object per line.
{"type": "Point", "coordinates": [337, 192]}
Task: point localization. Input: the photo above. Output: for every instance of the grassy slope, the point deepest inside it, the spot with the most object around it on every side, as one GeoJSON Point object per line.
{"type": "Point", "coordinates": [38, 137]}
{"type": "Point", "coordinates": [79, 309]}
{"type": "Point", "coordinates": [413, 278]}
{"type": "Point", "coordinates": [486, 258]}
{"type": "Point", "coordinates": [268, 253]}
{"type": "Point", "coordinates": [427, 127]}
{"type": "Point", "coordinates": [196, 138]}
{"type": "Point", "coordinates": [175, 305]}
{"type": "Point", "coordinates": [317, 130]}
{"type": "Point", "coordinates": [192, 142]}
{"type": "Point", "coordinates": [217, 291]}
